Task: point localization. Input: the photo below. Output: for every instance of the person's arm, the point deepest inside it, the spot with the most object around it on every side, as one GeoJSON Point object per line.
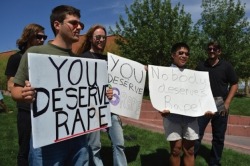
{"type": "Point", "coordinates": [10, 83]}
{"type": "Point", "coordinates": [230, 96]}
{"type": "Point", "coordinates": [209, 114]}
{"type": "Point", "coordinates": [23, 94]}
{"type": "Point", "coordinates": [164, 113]}
{"type": "Point", "coordinates": [232, 91]}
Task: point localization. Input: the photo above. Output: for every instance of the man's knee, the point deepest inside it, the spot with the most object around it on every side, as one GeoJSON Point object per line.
{"type": "Point", "coordinates": [190, 151]}
{"type": "Point", "coordinates": [176, 152]}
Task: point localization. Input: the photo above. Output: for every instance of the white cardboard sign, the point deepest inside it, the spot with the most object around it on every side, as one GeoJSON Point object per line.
{"type": "Point", "coordinates": [185, 92]}
{"type": "Point", "coordinates": [71, 97]}
{"type": "Point", "coordinates": [127, 79]}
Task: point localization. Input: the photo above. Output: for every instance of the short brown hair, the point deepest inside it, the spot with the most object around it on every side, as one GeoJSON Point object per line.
{"type": "Point", "coordinates": [59, 14]}
{"type": "Point", "coordinates": [215, 44]}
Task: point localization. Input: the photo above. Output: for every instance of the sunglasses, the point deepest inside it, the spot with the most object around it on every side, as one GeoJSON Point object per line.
{"type": "Point", "coordinates": [40, 37]}
{"type": "Point", "coordinates": [182, 52]}
{"type": "Point", "coordinates": [212, 49]}
{"type": "Point", "coordinates": [99, 37]}
{"type": "Point", "coordinates": [75, 24]}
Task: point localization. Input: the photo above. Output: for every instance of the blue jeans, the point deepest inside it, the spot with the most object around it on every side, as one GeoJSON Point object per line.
{"type": "Point", "coordinates": [219, 126]}
{"type": "Point", "coordinates": [94, 148]}
{"type": "Point", "coordinates": [117, 140]}
{"type": "Point", "coordinates": [71, 152]}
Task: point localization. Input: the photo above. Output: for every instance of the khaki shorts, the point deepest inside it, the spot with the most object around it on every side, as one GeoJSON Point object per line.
{"type": "Point", "coordinates": [181, 128]}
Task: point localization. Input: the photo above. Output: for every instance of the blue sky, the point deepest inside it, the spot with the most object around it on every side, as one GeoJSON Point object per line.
{"type": "Point", "coordinates": [16, 14]}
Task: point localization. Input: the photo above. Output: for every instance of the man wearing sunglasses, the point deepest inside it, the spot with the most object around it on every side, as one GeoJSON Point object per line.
{"type": "Point", "coordinates": [32, 35]}
{"type": "Point", "coordinates": [181, 131]}
{"type": "Point", "coordinates": [224, 85]}
{"type": "Point", "coordinates": [66, 25]}
{"type": "Point", "coordinates": [93, 48]}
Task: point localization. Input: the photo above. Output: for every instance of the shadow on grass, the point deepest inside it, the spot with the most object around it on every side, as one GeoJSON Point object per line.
{"type": "Point", "coordinates": [130, 152]}
{"type": "Point", "coordinates": [204, 152]}
{"type": "Point", "coordinates": [159, 158]}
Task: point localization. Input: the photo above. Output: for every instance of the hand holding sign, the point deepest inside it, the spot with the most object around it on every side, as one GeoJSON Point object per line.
{"type": "Point", "coordinates": [71, 97]}
{"type": "Point", "coordinates": [109, 93]}
{"type": "Point", "coordinates": [28, 93]}
{"type": "Point", "coordinates": [184, 92]}
{"type": "Point", "coordinates": [127, 78]}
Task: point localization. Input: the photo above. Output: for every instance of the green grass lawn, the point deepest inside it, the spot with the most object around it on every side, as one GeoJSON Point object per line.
{"type": "Point", "coordinates": [143, 148]}
{"type": "Point", "coordinates": [8, 139]}
{"type": "Point", "coordinates": [240, 106]}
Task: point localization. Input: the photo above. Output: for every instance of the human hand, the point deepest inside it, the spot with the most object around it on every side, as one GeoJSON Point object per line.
{"type": "Point", "coordinates": [28, 93]}
{"type": "Point", "coordinates": [109, 93]}
{"type": "Point", "coordinates": [165, 113]}
{"type": "Point", "coordinates": [224, 112]}
{"type": "Point", "coordinates": [209, 114]}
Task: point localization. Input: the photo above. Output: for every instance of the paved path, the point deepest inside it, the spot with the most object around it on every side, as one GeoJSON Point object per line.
{"type": "Point", "coordinates": [238, 143]}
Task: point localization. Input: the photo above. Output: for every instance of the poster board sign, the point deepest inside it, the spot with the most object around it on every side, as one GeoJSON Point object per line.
{"type": "Point", "coordinates": [71, 97]}
{"type": "Point", "coordinates": [127, 79]}
{"type": "Point", "coordinates": [181, 91]}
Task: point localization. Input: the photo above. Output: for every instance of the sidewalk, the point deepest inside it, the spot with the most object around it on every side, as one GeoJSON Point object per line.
{"type": "Point", "coordinates": [237, 143]}
{"type": "Point", "coordinates": [237, 134]}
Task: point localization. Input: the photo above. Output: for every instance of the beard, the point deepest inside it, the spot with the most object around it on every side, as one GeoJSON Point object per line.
{"type": "Point", "coordinates": [99, 47]}
{"type": "Point", "coordinates": [212, 57]}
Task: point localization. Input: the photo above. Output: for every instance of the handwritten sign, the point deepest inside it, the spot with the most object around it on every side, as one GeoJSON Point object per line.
{"type": "Point", "coordinates": [185, 92]}
{"type": "Point", "coordinates": [71, 97]}
{"type": "Point", "coordinates": [127, 78]}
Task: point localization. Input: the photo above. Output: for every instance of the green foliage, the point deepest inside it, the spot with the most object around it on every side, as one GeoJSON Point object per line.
{"type": "Point", "coordinates": [225, 22]}
{"type": "Point", "coordinates": [8, 139]}
{"type": "Point", "coordinates": [240, 106]}
{"type": "Point", "coordinates": [153, 26]}
{"type": "Point", "coordinates": [3, 79]}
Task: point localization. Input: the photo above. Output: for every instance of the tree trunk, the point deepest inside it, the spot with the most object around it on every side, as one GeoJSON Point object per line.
{"type": "Point", "coordinates": [247, 87]}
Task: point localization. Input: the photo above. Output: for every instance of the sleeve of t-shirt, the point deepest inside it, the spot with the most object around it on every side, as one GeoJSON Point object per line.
{"type": "Point", "coordinates": [22, 72]}
{"type": "Point", "coordinates": [231, 74]}
{"type": "Point", "coordinates": [12, 65]}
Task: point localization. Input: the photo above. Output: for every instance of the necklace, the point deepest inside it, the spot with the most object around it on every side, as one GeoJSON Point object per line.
{"type": "Point", "coordinates": [216, 62]}
{"type": "Point", "coordinates": [93, 54]}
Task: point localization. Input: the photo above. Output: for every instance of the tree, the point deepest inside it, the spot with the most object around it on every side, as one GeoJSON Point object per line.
{"type": "Point", "coordinates": [225, 21]}
{"type": "Point", "coordinates": [151, 29]}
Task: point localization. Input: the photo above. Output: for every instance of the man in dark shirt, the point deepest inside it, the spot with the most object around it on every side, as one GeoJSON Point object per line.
{"type": "Point", "coordinates": [32, 35]}
{"type": "Point", "coordinates": [224, 85]}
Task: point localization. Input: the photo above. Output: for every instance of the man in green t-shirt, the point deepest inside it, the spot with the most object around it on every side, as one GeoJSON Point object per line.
{"type": "Point", "coordinates": [66, 25]}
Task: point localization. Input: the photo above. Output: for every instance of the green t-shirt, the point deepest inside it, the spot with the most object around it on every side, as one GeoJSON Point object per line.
{"type": "Point", "coordinates": [22, 73]}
